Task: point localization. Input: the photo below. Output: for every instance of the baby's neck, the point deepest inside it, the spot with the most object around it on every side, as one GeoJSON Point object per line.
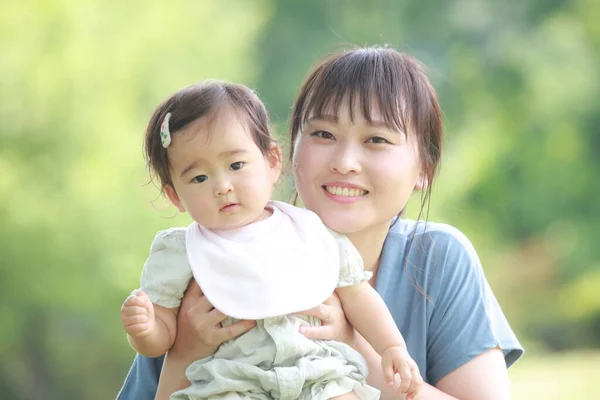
{"type": "Point", "coordinates": [266, 213]}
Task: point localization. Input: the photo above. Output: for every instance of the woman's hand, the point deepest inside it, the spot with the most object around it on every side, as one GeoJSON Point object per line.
{"type": "Point", "coordinates": [334, 325]}
{"type": "Point", "coordinates": [199, 331]}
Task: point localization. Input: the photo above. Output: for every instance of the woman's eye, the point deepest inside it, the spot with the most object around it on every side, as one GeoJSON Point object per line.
{"type": "Point", "coordinates": [200, 178]}
{"type": "Point", "coordinates": [322, 135]}
{"type": "Point", "coordinates": [378, 139]}
{"type": "Point", "coordinates": [236, 165]}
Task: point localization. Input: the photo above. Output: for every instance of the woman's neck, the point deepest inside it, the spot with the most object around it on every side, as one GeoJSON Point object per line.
{"type": "Point", "coordinates": [369, 244]}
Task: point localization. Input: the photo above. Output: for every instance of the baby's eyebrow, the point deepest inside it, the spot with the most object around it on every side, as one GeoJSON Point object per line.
{"type": "Point", "coordinates": [233, 152]}
{"type": "Point", "coordinates": [227, 153]}
{"type": "Point", "coordinates": [187, 169]}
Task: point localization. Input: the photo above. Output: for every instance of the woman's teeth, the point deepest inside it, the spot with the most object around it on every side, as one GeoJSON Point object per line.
{"type": "Point", "coordinates": [344, 191]}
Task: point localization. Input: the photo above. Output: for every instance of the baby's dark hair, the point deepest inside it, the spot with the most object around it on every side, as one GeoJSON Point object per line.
{"type": "Point", "coordinates": [204, 99]}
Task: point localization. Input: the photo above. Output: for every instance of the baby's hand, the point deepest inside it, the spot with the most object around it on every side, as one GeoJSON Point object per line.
{"type": "Point", "coordinates": [137, 314]}
{"type": "Point", "coordinates": [396, 360]}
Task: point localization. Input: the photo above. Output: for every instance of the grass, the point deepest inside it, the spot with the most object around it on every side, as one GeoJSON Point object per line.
{"type": "Point", "coordinates": [557, 376]}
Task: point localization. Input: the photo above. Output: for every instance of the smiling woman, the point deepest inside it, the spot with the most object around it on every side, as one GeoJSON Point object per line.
{"type": "Point", "coordinates": [350, 152]}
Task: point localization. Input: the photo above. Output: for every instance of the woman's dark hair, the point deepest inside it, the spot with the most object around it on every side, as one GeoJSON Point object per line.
{"type": "Point", "coordinates": [393, 82]}
{"type": "Point", "coordinates": [204, 99]}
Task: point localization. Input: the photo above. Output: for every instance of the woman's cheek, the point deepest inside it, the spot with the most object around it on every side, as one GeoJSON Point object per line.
{"type": "Point", "coordinates": [313, 158]}
{"type": "Point", "coordinates": [397, 173]}
{"type": "Point", "coordinates": [299, 164]}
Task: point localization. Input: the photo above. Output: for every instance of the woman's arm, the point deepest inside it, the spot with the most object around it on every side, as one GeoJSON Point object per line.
{"type": "Point", "coordinates": [199, 334]}
{"type": "Point", "coordinates": [484, 377]}
{"type": "Point", "coordinates": [172, 376]}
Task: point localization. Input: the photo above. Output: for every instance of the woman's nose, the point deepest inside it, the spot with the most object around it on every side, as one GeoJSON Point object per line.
{"type": "Point", "coordinates": [346, 160]}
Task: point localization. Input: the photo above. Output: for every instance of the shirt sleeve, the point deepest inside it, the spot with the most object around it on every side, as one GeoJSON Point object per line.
{"type": "Point", "coordinates": [352, 270]}
{"type": "Point", "coordinates": [167, 271]}
{"type": "Point", "coordinates": [466, 319]}
{"type": "Point", "coordinates": [142, 380]}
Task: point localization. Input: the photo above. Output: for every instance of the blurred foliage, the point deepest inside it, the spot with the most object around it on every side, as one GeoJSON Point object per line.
{"type": "Point", "coordinates": [518, 82]}
{"type": "Point", "coordinates": [570, 375]}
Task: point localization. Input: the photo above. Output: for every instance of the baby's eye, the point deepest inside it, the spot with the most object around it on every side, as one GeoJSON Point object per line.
{"type": "Point", "coordinates": [378, 139]}
{"type": "Point", "coordinates": [322, 135]}
{"type": "Point", "coordinates": [236, 165]}
{"type": "Point", "coordinates": [199, 178]}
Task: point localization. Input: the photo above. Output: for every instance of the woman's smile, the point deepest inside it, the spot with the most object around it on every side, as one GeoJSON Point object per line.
{"type": "Point", "coordinates": [344, 193]}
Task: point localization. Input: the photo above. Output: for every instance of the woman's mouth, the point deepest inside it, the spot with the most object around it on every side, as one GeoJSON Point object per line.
{"type": "Point", "coordinates": [344, 191]}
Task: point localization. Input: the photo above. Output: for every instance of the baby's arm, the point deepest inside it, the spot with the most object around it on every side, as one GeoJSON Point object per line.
{"type": "Point", "coordinates": [149, 316]}
{"type": "Point", "coordinates": [150, 328]}
{"type": "Point", "coordinates": [369, 315]}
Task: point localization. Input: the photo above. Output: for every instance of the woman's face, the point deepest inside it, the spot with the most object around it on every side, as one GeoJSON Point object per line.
{"type": "Point", "coordinates": [356, 175]}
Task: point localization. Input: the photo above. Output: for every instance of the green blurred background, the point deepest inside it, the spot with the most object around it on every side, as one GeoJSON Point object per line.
{"type": "Point", "coordinates": [518, 83]}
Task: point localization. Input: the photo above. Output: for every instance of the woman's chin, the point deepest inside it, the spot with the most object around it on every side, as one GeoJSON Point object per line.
{"type": "Point", "coordinates": [342, 225]}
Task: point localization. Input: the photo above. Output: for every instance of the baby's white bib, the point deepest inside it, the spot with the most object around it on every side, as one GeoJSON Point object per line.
{"type": "Point", "coordinates": [286, 263]}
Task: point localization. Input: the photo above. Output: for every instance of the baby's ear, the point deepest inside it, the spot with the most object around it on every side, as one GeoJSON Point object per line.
{"type": "Point", "coordinates": [174, 198]}
{"type": "Point", "coordinates": [275, 160]}
{"type": "Point", "coordinates": [275, 157]}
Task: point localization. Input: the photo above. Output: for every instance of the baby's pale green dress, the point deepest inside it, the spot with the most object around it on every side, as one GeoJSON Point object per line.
{"type": "Point", "coordinates": [271, 361]}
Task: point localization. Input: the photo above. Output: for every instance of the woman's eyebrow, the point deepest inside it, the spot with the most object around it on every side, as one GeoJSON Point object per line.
{"type": "Point", "coordinates": [323, 117]}
{"type": "Point", "coordinates": [332, 118]}
{"type": "Point", "coordinates": [374, 123]}
{"type": "Point", "coordinates": [378, 124]}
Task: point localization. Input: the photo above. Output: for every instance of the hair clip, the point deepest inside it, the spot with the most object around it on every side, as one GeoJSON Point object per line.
{"type": "Point", "coordinates": [165, 133]}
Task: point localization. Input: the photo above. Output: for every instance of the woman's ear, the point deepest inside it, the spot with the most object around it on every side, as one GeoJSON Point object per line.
{"type": "Point", "coordinates": [175, 200]}
{"type": "Point", "coordinates": [422, 182]}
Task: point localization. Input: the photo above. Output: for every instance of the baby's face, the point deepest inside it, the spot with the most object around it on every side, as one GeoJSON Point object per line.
{"type": "Point", "coordinates": [220, 176]}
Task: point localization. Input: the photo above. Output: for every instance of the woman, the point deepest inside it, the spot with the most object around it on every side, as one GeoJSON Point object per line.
{"type": "Point", "coordinates": [368, 120]}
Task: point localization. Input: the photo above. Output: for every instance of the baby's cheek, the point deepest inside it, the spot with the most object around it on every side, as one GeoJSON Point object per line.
{"type": "Point", "coordinates": [257, 187]}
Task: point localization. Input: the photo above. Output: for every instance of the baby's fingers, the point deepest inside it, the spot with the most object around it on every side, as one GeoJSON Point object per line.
{"type": "Point", "coordinates": [128, 311]}
{"type": "Point", "coordinates": [135, 320]}
{"type": "Point", "coordinates": [415, 384]}
{"type": "Point", "coordinates": [136, 325]}
{"type": "Point", "coordinates": [405, 378]}
{"type": "Point", "coordinates": [133, 301]}
{"type": "Point", "coordinates": [388, 371]}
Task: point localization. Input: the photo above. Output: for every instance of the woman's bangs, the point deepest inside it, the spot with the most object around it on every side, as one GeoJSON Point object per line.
{"type": "Point", "coordinates": [352, 81]}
